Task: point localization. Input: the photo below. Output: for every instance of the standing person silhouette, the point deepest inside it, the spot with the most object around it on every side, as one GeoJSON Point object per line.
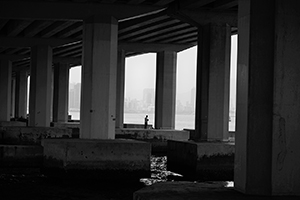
{"type": "Point", "coordinates": [146, 122]}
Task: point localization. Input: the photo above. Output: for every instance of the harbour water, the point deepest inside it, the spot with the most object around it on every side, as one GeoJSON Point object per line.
{"type": "Point", "coordinates": [182, 121]}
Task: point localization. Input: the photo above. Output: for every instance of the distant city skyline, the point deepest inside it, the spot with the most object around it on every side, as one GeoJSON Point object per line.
{"type": "Point", "coordinates": [140, 73]}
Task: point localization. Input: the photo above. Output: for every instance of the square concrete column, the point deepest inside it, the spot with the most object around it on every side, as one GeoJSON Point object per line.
{"type": "Point", "coordinates": [40, 86]}
{"type": "Point", "coordinates": [120, 89]}
{"type": "Point", "coordinates": [5, 89]}
{"type": "Point", "coordinates": [202, 81]}
{"type": "Point", "coordinates": [286, 110]}
{"type": "Point", "coordinates": [21, 94]}
{"type": "Point", "coordinates": [255, 82]}
{"type": "Point", "coordinates": [213, 70]}
{"type": "Point", "coordinates": [61, 92]}
{"type": "Point", "coordinates": [13, 97]}
{"type": "Point", "coordinates": [98, 90]}
{"type": "Point", "coordinates": [165, 97]}
{"type": "Point", "coordinates": [219, 78]}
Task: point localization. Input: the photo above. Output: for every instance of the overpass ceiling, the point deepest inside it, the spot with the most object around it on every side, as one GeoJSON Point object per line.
{"type": "Point", "coordinates": [166, 24]}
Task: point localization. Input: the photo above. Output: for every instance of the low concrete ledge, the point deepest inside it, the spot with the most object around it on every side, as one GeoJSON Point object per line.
{"type": "Point", "coordinates": [157, 137]}
{"type": "Point", "coordinates": [140, 126]}
{"type": "Point", "coordinates": [96, 159]}
{"type": "Point", "coordinates": [184, 191]}
{"type": "Point", "coordinates": [31, 135]}
{"type": "Point", "coordinates": [12, 123]}
{"type": "Point", "coordinates": [66, 124]}
{"type": "Point", "coordinates": [197, 191]}
{"type": "Point", "coordinates": [205, 161]}
{"type": "Point", "coordinates": [74, 126]}
{"type": "Point", "coordinates": [21, 156]}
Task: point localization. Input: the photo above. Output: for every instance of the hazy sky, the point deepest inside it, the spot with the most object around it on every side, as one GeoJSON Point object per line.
{"type": "Point", "coordinates": [75, 74]}
{"type": "Point", "coordinates": [140, 73]}
{"type": "Point", "coordinates": [233, 71]}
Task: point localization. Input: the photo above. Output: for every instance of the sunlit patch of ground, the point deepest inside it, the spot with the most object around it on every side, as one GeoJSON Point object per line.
{"type": "Point", "coordinates": [159, 172]}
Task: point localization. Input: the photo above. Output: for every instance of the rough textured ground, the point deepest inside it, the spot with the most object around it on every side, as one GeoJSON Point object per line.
{"type": "Point", "coordinates": [20, 184]}
{"type": "Point", "coordinates": [38, 187]}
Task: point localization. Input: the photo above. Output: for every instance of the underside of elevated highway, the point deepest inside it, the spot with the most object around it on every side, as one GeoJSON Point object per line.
{"type": "Point", "coordinates": [44, 39]}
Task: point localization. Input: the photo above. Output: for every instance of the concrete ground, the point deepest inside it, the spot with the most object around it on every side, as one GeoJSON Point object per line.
{"type": "Point", "coordinates": [197, 191]}
{"type": "Point", "coordinates": [20, 186]}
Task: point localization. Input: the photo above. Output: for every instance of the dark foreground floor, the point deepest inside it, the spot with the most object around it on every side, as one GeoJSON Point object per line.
{"type": "Point", "coordinates": [39, 187]}
{"type": "Point", "coordinates": [30, 184]}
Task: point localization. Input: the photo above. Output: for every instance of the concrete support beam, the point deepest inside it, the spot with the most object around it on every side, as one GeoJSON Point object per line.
{"type": "Point", "coordinates": [152, 47]}
{"type": "Point", "coordinates": [51, 93]}
{"type": "Point", "coordinates": [201, 161]}
{"type": "Point", "coordinates": [219, 72]}
{"type": "Point", "coordinates": [21, 94]}
{"type": "Point", "coordinates": [5, 89]}
{"type": "Point", "coordinates": [40, 86]}
{"type": "Point", "coordinates": [92, 160]}
{"type": "Point", "coordinates": [165, 98]}
{"type": "Point", "coordinates": [201, 115]}
{"type": "Point", "coordinates": [201, 18]}
{"type": "Point", "coordinates": [267, 133]}
{"type": "Point", "coordinates": [120, 89]}
{"type": "Point", "coordinates": [61, 92]}
{"type": "Point", "coordinates": [98, 92]}
{"type": "Point", "coordinates": [286, 106]}
{"type": "Point", "coordinates": [13, 97]}
{"type": "Point", "coordinates": [70, 10]}
{"type": "Point", "coordinates": [212, 96]}
{"type": "Point", "coordinates": [255, 82]}
{"type": "Point", "coordinates": [27, 42]}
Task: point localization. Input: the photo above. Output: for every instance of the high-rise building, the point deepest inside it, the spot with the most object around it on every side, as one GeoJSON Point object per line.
{"type": "Point", "coordinates": [148, 96]}
{"type": "Point", "coordinates": [74, 95]}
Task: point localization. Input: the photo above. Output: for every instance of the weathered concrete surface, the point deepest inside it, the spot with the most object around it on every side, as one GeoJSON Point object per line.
{"type": "Point", "coordinates": [231, 134]}
{"type": "Point", "coordinates": [205, 161]}
{"type": "Point", "coordinates": [157, 137]}
{"type": "Point", "coordinates": [73, 126]}
{"type": "Point", "coordinates": [165, 90]}
{"type": "Point", "coordinates": [99, 61]}
{"type": "Point", "coordinates": [66, 124]}
{"type": "Point", "coordinates": [31, 135]}
{"type": "Point", "coordinates": [5, 89]}
{"type": "Point", "coordinates": [286, 127]}
{"type": "Point", "coordinates": [140, 126]}
{"type": "Point", "coordinates": [196, 191]}
{"type": "Point", "coordinates": [96, 159]}
{"type": "Point", "coordinates": [40, 86]}
{"type": "Point", "coordinates": [21, 156]}
{"type": "Point", "coordinates": [12, 123]}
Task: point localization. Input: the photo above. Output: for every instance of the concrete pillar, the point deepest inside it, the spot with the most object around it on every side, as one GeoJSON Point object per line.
{"type": "Point", "coordinates": [213, 70]}
{"type": "Point", "coordinates": [5, 89]}
{"type": "Point", "coordinates": [201, 114]}
{"type": "Point", "coordinates": [40, 86]}
{"type": "Point", "coordinates": [120, 89]}
{"type": "Point", "coordinates": [51, 93]}
{"type": "Point", "coordinates": [286, 115]}
{"type": "Point", "coordinates": [21, 94]}
{"type": "Point", "coordinates": [255, 69]}
{"type": "Point", "coordinates": [165, 97]}
{"type": "Point", "coordinates": [219, 78]}
{"type": "Point", "coordinates": [98, 91]}
{"type": "Point", "coordinates": [61, 92]}
{"type": "Point", "coordinates": [13, 97]}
